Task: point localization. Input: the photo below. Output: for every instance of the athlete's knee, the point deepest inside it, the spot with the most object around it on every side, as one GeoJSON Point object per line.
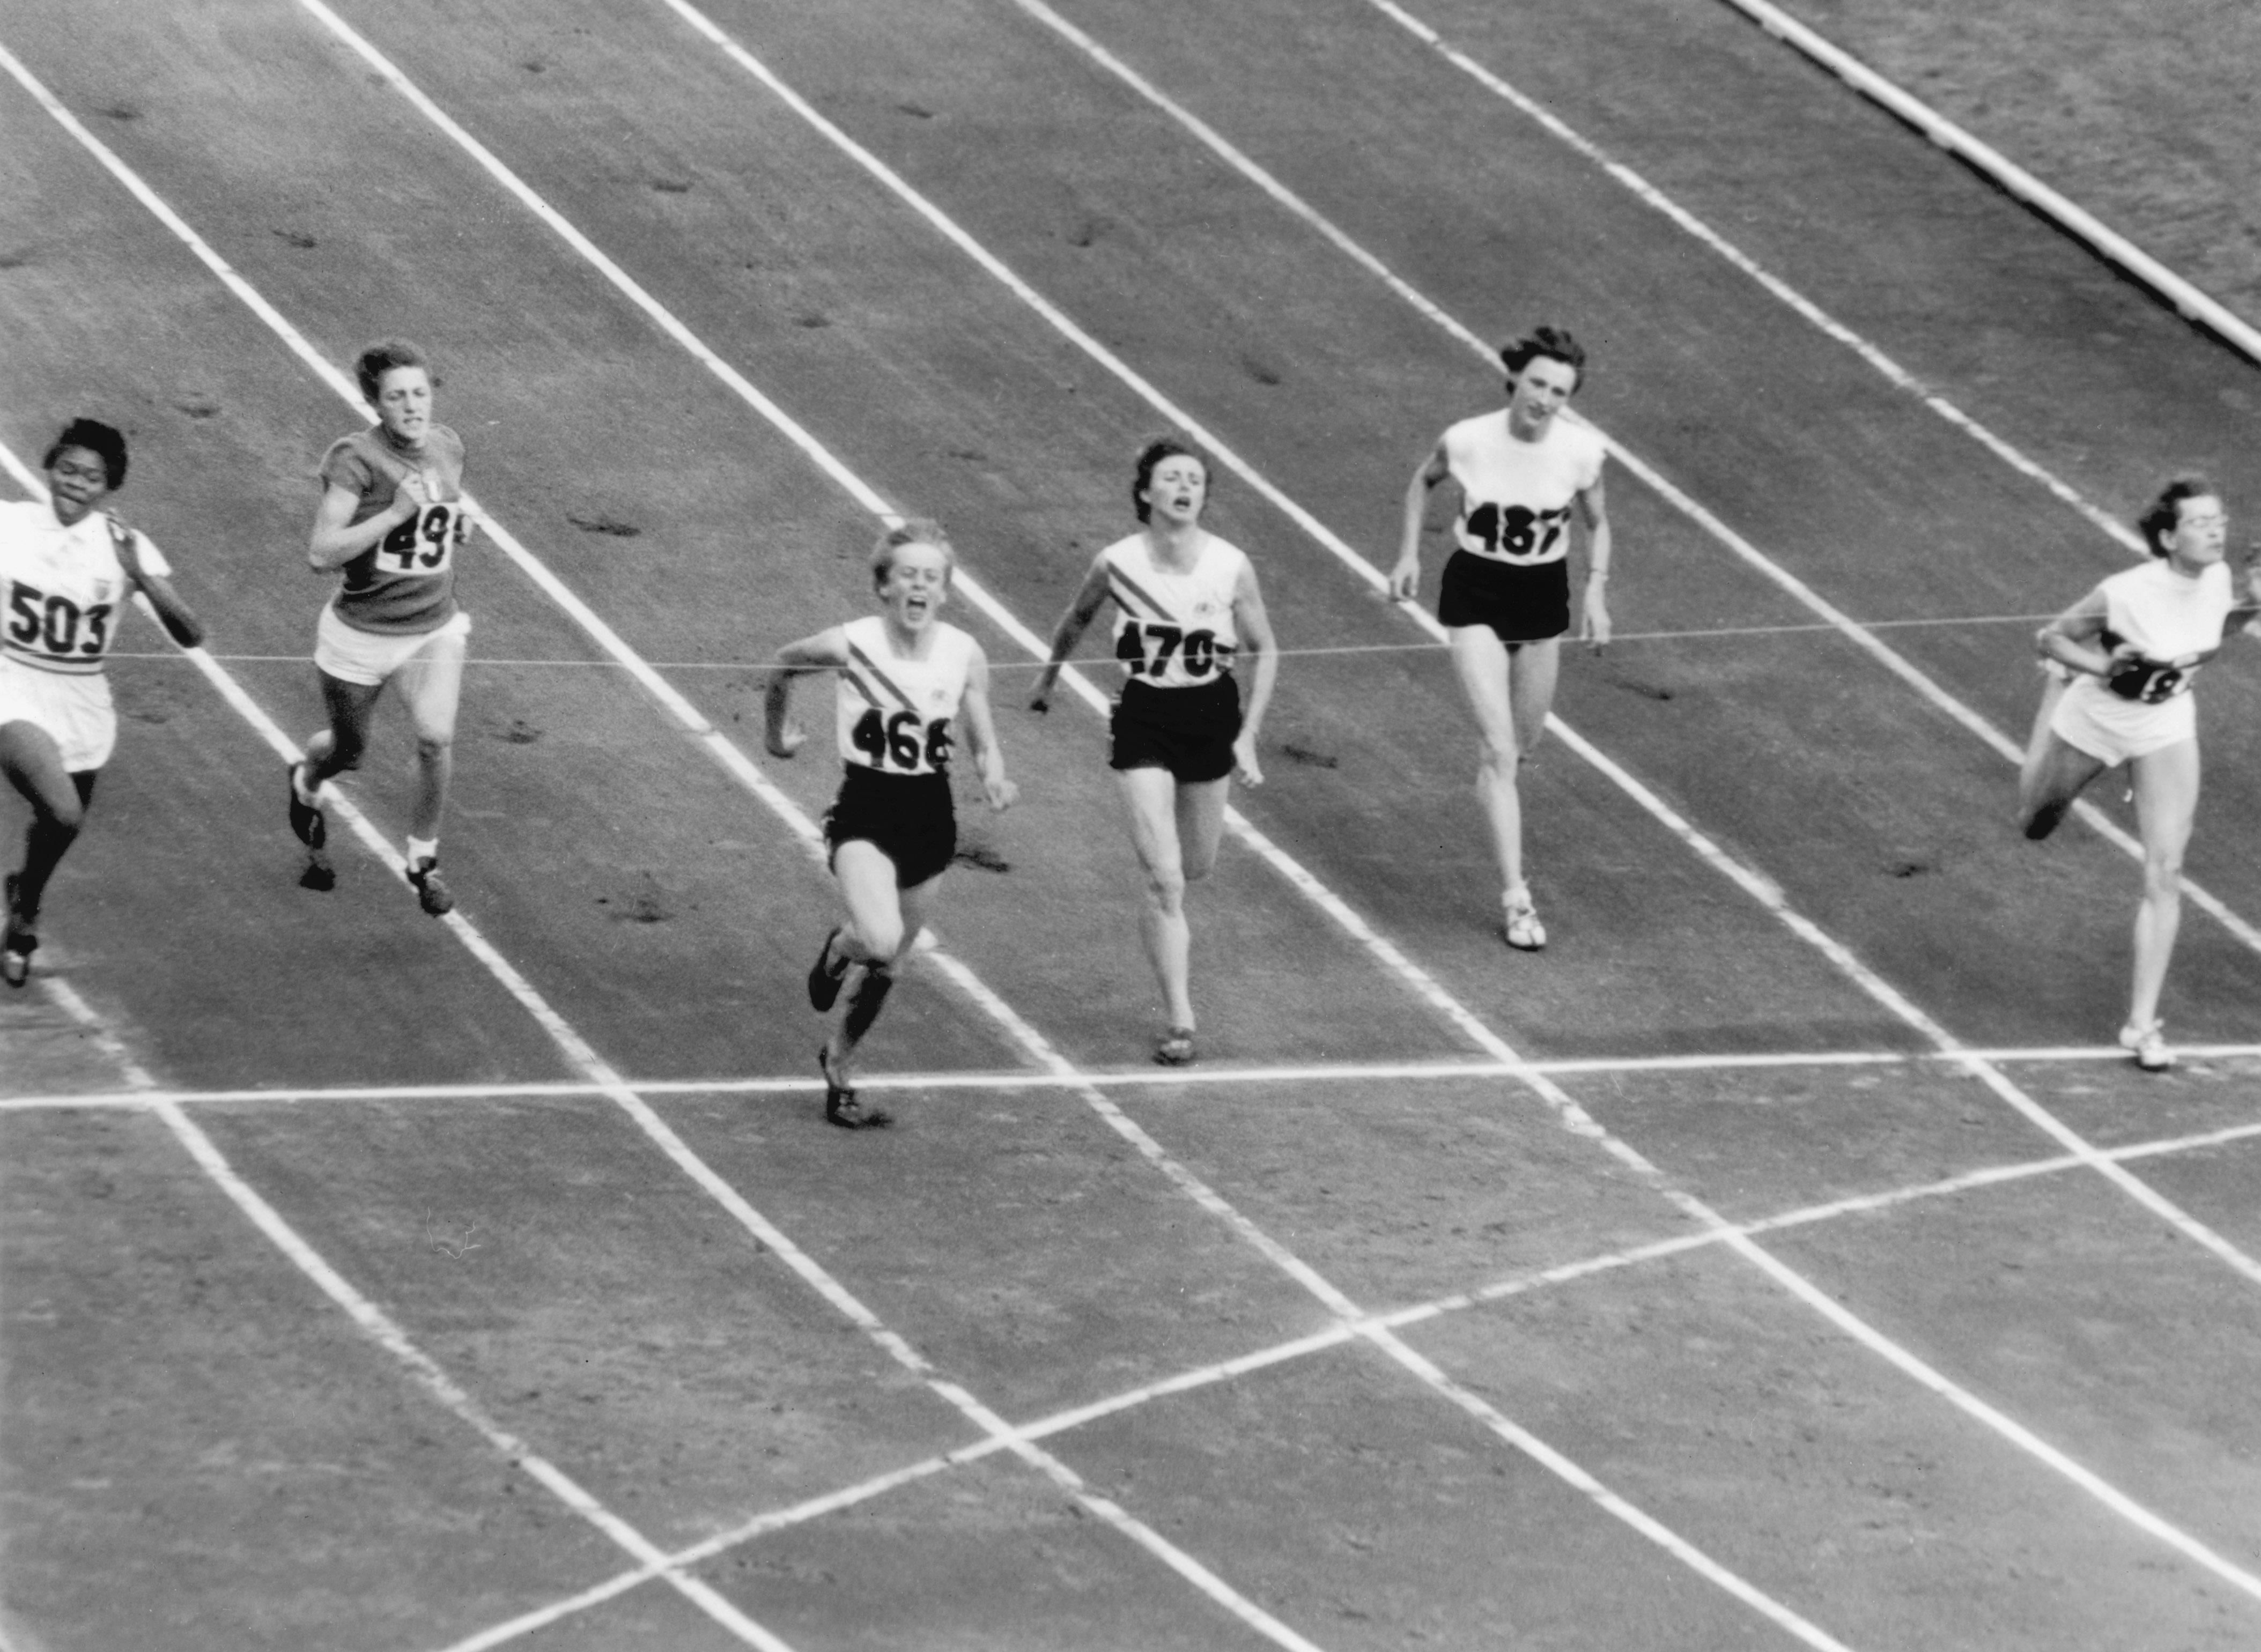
{"type": "Point", "coordinates": [882, 943]}
{"type": "Point", "coordinates": [1165, 886]}
{"type": "Point", "coordinates": [434, 748]}
{"type": "Point", "coordinates": [1501, 762]}
{"type": "Point", "coordinates": [2163, 873]}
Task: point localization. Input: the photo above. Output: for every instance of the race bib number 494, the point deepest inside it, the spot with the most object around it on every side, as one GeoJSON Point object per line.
{"type": "Point", "coordinates": [423, 544]}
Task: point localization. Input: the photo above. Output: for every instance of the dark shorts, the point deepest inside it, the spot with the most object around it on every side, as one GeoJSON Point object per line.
{"type": "Point", "coordinates": [907, 818]}
{"type": "Point", "coordinates": [1189, 732]}
{"type": "Point", "coordinates": [1521, 603]}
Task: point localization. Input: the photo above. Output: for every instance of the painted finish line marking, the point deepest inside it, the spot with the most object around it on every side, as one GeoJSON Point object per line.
{"type": "Point", "coordinates": [1334, 1072]}
{"type": "Point", "coordinates": [1336, 1335]}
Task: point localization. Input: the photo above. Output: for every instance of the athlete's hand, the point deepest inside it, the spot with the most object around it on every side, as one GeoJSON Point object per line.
{"type": "Point", "coordinates": [1001, 792]}
{"type": "Point", "coordinates": [408, 496]}
{"type": "Point", "coordinates": [1245, 768]}
{"type": "Point", "coordinates": [1405, 580]}
{"type": "Point", "coordinates": [1594, 625]}
{"type": "Point", "coordinates": [128, 544]}
{"type": "Point", "coordinates": [784, 742]}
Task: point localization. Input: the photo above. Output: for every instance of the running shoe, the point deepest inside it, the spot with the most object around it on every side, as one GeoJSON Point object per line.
{"type": "Point", "coordinates": [1525, 931]}
{"type": "Point", "coordinates": [840, 1106]}
{"type": "Point", "coordinates": [18, 943]}
{"type": "Point", "coordinates": [2148, 1043]}
{"type": "Point", "coordinates": [1176, 1048]}
{"type": "Point", "coordinates": [431, 894]}
{"type": "Point", "coordinates": [307, 822]}
{"type": "Point", "coordinates": [826, 974]}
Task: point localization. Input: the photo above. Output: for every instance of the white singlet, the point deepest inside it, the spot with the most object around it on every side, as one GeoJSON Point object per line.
{"type": "Point", "coordinates": [2174, 621]}
{"type": "Point", "coordinates": [1517, 494]}
{"type": "Point", "coordinates": [1175, 631]}
{"type": "Point", "coordinates": [63, 593]}
{"type": "Point", "coordinates": [62, 588]}
{"type": "Point", "coordinates": [893, 713]}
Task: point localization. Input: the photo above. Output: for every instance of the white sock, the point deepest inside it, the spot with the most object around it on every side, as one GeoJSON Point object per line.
{"type": "Point", "coordinates": [422, 850]}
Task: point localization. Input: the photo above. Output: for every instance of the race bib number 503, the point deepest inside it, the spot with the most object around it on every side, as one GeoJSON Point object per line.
{"type": "Point", "coordinates": [55, 626]}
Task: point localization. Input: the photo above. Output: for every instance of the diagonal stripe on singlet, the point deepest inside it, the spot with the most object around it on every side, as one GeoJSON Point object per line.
{"type": "Point", "coordinates": [1125, 582]}
{"type": "Point", "coordinates": [878, 676]}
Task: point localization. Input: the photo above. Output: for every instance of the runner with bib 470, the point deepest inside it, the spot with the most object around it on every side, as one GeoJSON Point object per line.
{"type": "Point", "coordinates": [1187, 604]}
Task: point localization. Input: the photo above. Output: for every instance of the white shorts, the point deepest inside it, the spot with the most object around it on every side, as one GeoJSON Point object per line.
{"type": "Point", "coordinates": [369, 657]}
{"type": "Point", "coordinates": [73, 708]}
{"type": "Point", "coordinates": [2092, 718]}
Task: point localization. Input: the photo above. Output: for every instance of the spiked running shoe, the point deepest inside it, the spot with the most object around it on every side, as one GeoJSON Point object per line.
{"type": "Point", "coordinates": [840, 1106]}
{"type": "Point", "coordinates": [1520, 920]}
{"type": "Point", "coordinates": [432, 894]}
{"type": "Point", "coordinates": [307, 822]}
{"type": "Point", "coordinates": [2147, 1044]}
{"type": "Point", "coordinates": [826, 974]}
{"type": "Point", "coordinates": [18, 943]}
{"type": "Point", "coordinates": [1176, 1048]}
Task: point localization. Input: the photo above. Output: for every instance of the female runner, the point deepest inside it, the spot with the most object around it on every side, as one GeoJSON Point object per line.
{"type": "Point", "coordinates": [903, 676]}
{"type": "Point", "coordinates": [391, 518]}
{"type": "Point", "coordinates": [2126, 655]}
{"type": "Point", "coordinates": [1506, 595]}
{"type": "Point", "coordinates": [67, 568]}
{"type": "Point", "coordinates": [1187, 603]}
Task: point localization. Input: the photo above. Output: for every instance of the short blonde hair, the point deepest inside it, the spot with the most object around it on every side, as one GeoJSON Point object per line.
{"type": "Point", "coordinates": [918, 530]}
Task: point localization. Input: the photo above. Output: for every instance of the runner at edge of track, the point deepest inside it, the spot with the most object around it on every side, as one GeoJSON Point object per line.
{"type": "Point", "coordinates": [67, 568]}
{"type": "Point", "coordinates": [2122, 662]}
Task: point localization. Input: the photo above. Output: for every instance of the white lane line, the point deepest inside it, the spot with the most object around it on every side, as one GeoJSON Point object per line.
{"type": "Point", "coordinates": [364, 1313]}
{"type": "Point", "coordinates": [1206, 1076]}
{"type": "Point", "coordinates": [1565, 1108]}
{"type": "Point", "coordinates": [1024, 1034]}
{"type": "Point", "coordinates": [2188, 300]}
{"type": "Point", "coordinates": [1862, 635]}
{"type": "Point", "coordinates": [1650, 195]}
{"type": "Point", "coordinates": [1333, 1336]}
{"type": "Point", "coordinates": [1760, 887]}
{"type": "Point", "coordinates": [374, 1323]}
{"type": "Point", "coordinates": [581, 1054]}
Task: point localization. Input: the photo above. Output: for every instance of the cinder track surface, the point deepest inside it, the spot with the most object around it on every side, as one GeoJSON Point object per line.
{"type": "Point", "coordinates": [376, 1283]}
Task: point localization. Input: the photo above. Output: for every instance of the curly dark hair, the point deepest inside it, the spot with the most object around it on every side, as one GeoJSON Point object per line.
{"type": "Point", "coordinates": [379, 359]}
{"type": "Point", "coordinates": [1555, 342]}
{"type": "Point", "coordinates": [2164, 514]}
{"type": "Point", "coordinates": [103, 441]}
